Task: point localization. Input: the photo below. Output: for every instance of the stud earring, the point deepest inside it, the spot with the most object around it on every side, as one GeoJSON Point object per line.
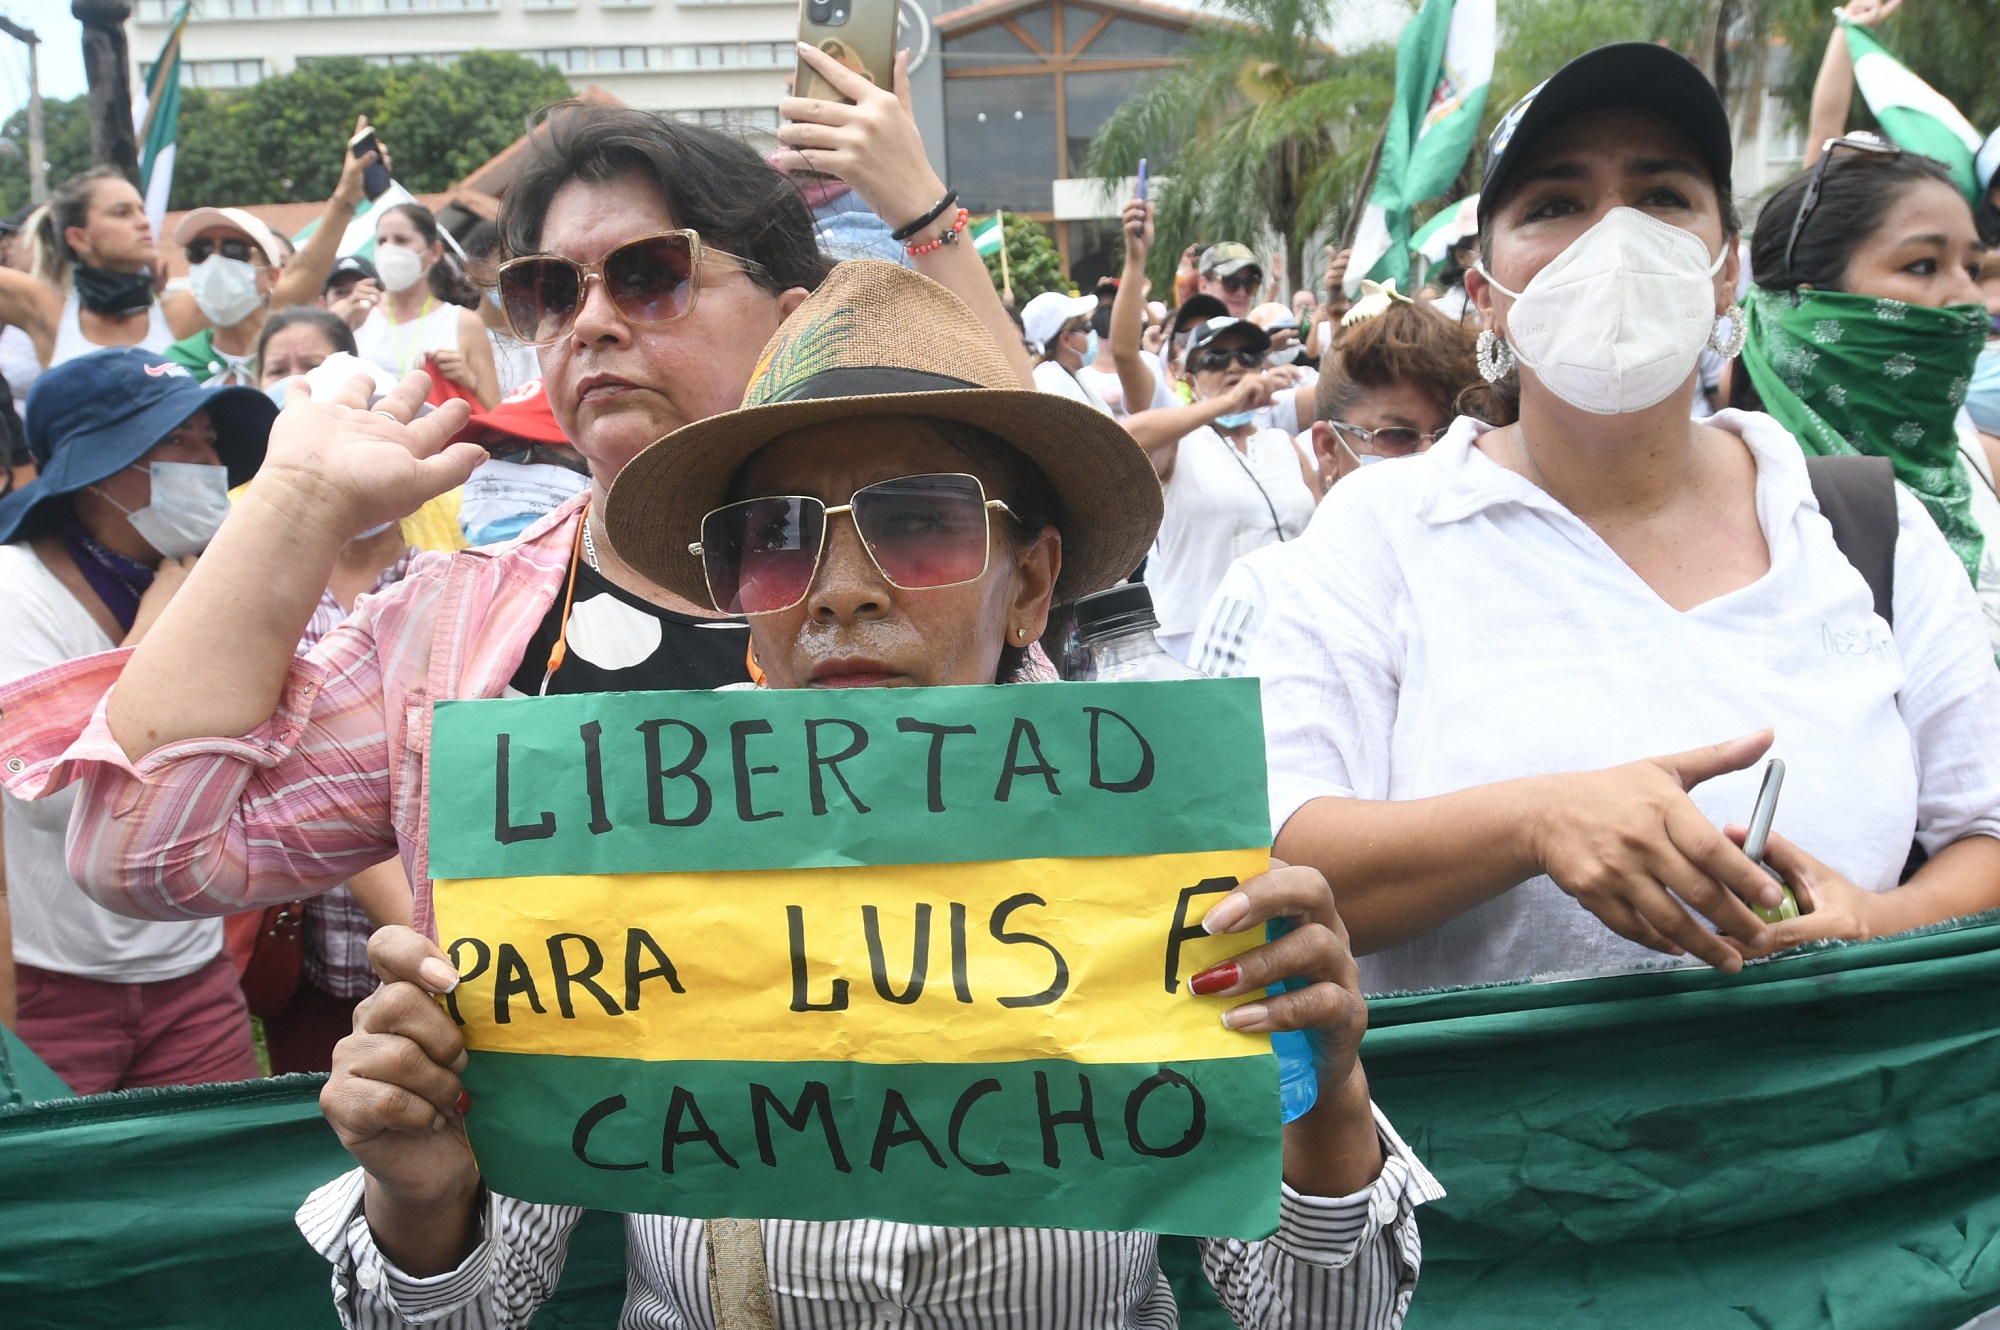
{"type": "Point", "coordinates": [1496, 358]}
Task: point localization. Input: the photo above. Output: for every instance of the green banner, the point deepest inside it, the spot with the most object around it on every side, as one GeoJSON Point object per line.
{"type": "Point", "coordinates": [1813, 1143]}
{"type": "Point", "coordinates": [982, 1144]}
{"type": "Point", "coordinates": [699, 781]}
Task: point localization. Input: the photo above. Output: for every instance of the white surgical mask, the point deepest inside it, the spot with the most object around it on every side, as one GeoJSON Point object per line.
{"type": "Point", "coordinates": [399, 268]}
{"type": "Point", "coordinates": [1617, 321]}
{"type": "Point", "coordinates": [189, 501]}
{"type": "Point", "coordinates": [1235, 419]}
{"type": "Point", "coordinates": [225, 290]}
{"type": "Point", "coordinates": [1287, 356]}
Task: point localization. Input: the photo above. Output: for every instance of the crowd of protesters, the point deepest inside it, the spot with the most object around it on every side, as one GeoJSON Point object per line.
{"type": "Point", "coordinates": [1535, 558]}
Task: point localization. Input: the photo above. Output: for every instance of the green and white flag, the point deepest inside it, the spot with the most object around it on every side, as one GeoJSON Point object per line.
{"type": "Point", "coordinates": [1912, 113]}
{"type": "Point", "coordinates": [156, 121]}
{"type": "Point", "coordinates": [1451, 224]}
{"type": "Point", "coordinates": [359, 237]}
{"type": "Point", "coordinates": [989, 236]}
{"type": "Point", "coordinates": [1444, 63]}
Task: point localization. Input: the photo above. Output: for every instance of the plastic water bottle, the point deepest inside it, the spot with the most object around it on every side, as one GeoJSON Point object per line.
{"type": "Point", "coordinates": [1115, 629]}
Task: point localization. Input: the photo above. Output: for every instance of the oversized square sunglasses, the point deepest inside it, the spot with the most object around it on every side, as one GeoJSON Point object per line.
{"type": "Point", "coordinates": [653, 279]}
{"type": "Point", "coordinates": [922, 532]}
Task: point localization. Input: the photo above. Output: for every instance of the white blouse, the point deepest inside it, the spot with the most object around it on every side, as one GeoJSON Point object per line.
{"type": "Point", "coordinates": [1221, 504]}
{"type": "Point", "coordinates": [1448, 624]}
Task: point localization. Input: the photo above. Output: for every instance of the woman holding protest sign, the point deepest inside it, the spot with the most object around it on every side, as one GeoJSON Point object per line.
{"type": "Point", "coordinates": [972, 532]}
{"type": "Point", "coordinates": [1463, 719]}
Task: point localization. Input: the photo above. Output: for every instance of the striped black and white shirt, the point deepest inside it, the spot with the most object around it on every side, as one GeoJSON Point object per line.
{"type": "Point", "coordinates": [1346, 1263]}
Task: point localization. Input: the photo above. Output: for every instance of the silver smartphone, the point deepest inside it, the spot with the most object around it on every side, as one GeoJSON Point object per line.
{"type": "Point", "coordinates": [1759, 836]}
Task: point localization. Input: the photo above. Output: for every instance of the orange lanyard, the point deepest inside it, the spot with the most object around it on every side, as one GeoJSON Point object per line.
{"type": "Point", "coordinates": [561, 648]}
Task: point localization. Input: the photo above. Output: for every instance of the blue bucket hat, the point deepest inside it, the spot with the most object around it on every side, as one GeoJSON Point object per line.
{"type": "Point", "coordinates": [90, 418]}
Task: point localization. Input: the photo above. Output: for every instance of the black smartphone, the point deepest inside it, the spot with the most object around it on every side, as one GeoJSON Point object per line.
{"type": "Point", "coordinates": [374, 176]}
{"type": "Point", "coordinates": [1759, 836]}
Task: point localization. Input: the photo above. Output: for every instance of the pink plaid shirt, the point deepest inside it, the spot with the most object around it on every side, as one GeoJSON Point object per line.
{"type": "Point", "coordinates": [330, 784]}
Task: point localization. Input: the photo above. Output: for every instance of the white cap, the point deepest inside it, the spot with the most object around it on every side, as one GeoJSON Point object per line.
{"type": "Point", "coordinates": [1045, 315]}
{"type": "Point", "coordinates": [234, 219]}
{"type": "Point", "coordinates": [1988, 161]}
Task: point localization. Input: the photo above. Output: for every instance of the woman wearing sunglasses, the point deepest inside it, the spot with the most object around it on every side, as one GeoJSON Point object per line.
{"type": "Point", "coordinates": [890, 509]}
{"type": "Point", "coordinates": [1865, 329]}
{"type": "Point", "coordinates": [1389, 388]}
{"type": "Point", "coordinates": [1516, 689]}
{"type": "Point", "coordinates": [1231, 487]}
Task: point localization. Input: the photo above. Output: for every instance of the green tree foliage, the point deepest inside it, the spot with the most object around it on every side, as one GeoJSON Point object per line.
{"type": "Point", "coordinates": [281, 141]}
{"type": "Point", "coordinates": [1264, 130]}
{"type": "Point", "coordinates": [66, 132]}
{"type": "Point", "coordinates": [1034, 265]}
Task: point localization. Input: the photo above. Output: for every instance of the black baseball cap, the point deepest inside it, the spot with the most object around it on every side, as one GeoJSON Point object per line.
{"type": "Point", "coordinates": [1639, 75]}
{"type": "Point", "coordinates": [353, 265]}
{"type": "Point", "coordinates": [1207, 332]}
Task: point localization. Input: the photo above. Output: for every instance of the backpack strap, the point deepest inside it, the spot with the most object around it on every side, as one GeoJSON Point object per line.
{"type": "Point", "coordinates": [1857, 496]}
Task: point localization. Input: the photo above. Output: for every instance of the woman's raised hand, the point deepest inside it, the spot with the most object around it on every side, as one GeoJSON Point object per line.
{"type": "Point", "coordinates": [363, 466]}
{"type": "Point", "coordinates": [872, 144]}
{"type": "Point", "coordinates": [1635, 851]}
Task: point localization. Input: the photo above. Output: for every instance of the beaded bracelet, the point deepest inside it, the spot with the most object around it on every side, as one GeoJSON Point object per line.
{"type": "Point", "coordinates": [936, 211]}
{"type": "Point", "coordinates": [949, 236]}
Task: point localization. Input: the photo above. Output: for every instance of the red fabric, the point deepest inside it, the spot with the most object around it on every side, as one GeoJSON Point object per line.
{"type": "Point", "coordinates": [523, 414]}
{"type": "Point", "coordinates": [102, 1036]}
{"type": "Point", "coordinates": [302, 1036]}
{"type": "Point", "coordinates": [444, 390]}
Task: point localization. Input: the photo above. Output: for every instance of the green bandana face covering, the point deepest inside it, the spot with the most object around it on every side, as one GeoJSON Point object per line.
{"type": "Point", "coordinates": [1855, 374]}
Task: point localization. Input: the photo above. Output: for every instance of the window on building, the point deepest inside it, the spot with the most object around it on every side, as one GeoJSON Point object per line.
{"type": "Point", "coordinates": [624, 4]}
{"type": "Point", "coordinates": [568, 59]}
{"type": "Point", "coordinates": [769, 54]}
{"type": "Point", "coordinates": [733, 117]}
{"type": "Point", "coordinates": [1090, 100]}
{"type": "Point", "coordinates": [989, 46]}
{"type": "Point", "coordinates": [628, 57]}
{"type": "Point", "coordinates": [548, 4]}
{"type": "Point", "coordinates": [1040, 25]}
{"type": "Point", "coordinates": [708, 56]}
{"type": "Point", "coordinates": [1122, 37]}
{"type": "Point", "coordinates": [218, 73]}
{"type": "Point", "coordinates": [1784, 141]}
{"type": "Point", "coordinates": [1000, 136]}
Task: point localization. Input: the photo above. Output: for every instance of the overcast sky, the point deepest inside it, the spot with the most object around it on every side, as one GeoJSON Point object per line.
{"type": "Point", "coordinates": [1360, 22]}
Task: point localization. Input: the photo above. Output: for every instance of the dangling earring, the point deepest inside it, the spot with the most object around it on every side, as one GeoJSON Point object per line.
{"type": "Point", "coordinates": [1739, 330]}
{"type": "Point", "coordinates": [1496, 358]}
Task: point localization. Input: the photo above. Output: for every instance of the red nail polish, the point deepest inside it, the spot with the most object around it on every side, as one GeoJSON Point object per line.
{"type": "Point", "coordinates": [463, 1104]}
{"type": "Point", "coordinates": [1215, 979]}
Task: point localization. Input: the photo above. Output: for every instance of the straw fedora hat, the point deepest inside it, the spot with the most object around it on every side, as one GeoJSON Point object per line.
{"type": "Point", "coordinates": [879, 340]}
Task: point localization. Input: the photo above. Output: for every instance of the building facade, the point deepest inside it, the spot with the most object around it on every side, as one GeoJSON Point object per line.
{"type": "Point", "coordinates": [716, 61]}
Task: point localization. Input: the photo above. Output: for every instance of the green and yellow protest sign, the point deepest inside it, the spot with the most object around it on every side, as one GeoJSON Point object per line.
{"type": "Point", "coordinates": [911, 954]}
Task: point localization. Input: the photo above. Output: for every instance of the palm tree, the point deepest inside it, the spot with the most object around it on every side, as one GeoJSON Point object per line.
{"type": "Point", "coordinates": [1265, 129]}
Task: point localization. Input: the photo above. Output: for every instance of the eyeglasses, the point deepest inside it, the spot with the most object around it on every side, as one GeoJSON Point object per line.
{"type": "Point", "coordinates": [1396, 440]}
{"type": "Point", "coordinates": [922, 532]}
{"type": "Point", "coordinates": [653, 279]}
{"type": "Point", "coordinates": [198, 251]}
{"type": "Point", "coordinates": [1810, 201]}
{"type": "Point", "coordinates": [1222, 357]}
{"type": "Point", "coordinates": [1247, 280]}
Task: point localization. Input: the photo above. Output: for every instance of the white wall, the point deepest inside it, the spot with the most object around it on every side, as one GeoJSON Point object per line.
{"type": "Point", "coordinates": [727, 55]}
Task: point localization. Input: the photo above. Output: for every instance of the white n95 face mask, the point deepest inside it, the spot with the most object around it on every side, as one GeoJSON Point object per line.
{"type": "Point", "coordinates": [189, 501]}
{"type": "Point", "coordinates": [1617, 321]}
{"type": "Point", "coordinates": [225, 290]}
{"type": "Point", "coordinates": [399, 268]}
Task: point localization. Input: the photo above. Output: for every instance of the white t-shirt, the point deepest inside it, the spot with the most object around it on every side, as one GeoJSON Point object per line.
{"type": "Point", "coordinates": [1110, 389]}
{"type": "Point", "coordinates": [1053, 378]}
{"type": "Point", "coordinates": [1220, 506]}
{"type": "Point", "coordinates": [71, 342]}
{"type": "Point", "coordinates": [21, 365]}
{"type": "Point", "coordinates": [56, 926]}
{"type": "Point", "coordinates": [1235, 613]}
{"type": "Point", "coordinates": [1986, 515]}
{"type": "Point", "coordinates": [1448, 624]}
{"type": "Point", "coordinates": [400, 348]}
